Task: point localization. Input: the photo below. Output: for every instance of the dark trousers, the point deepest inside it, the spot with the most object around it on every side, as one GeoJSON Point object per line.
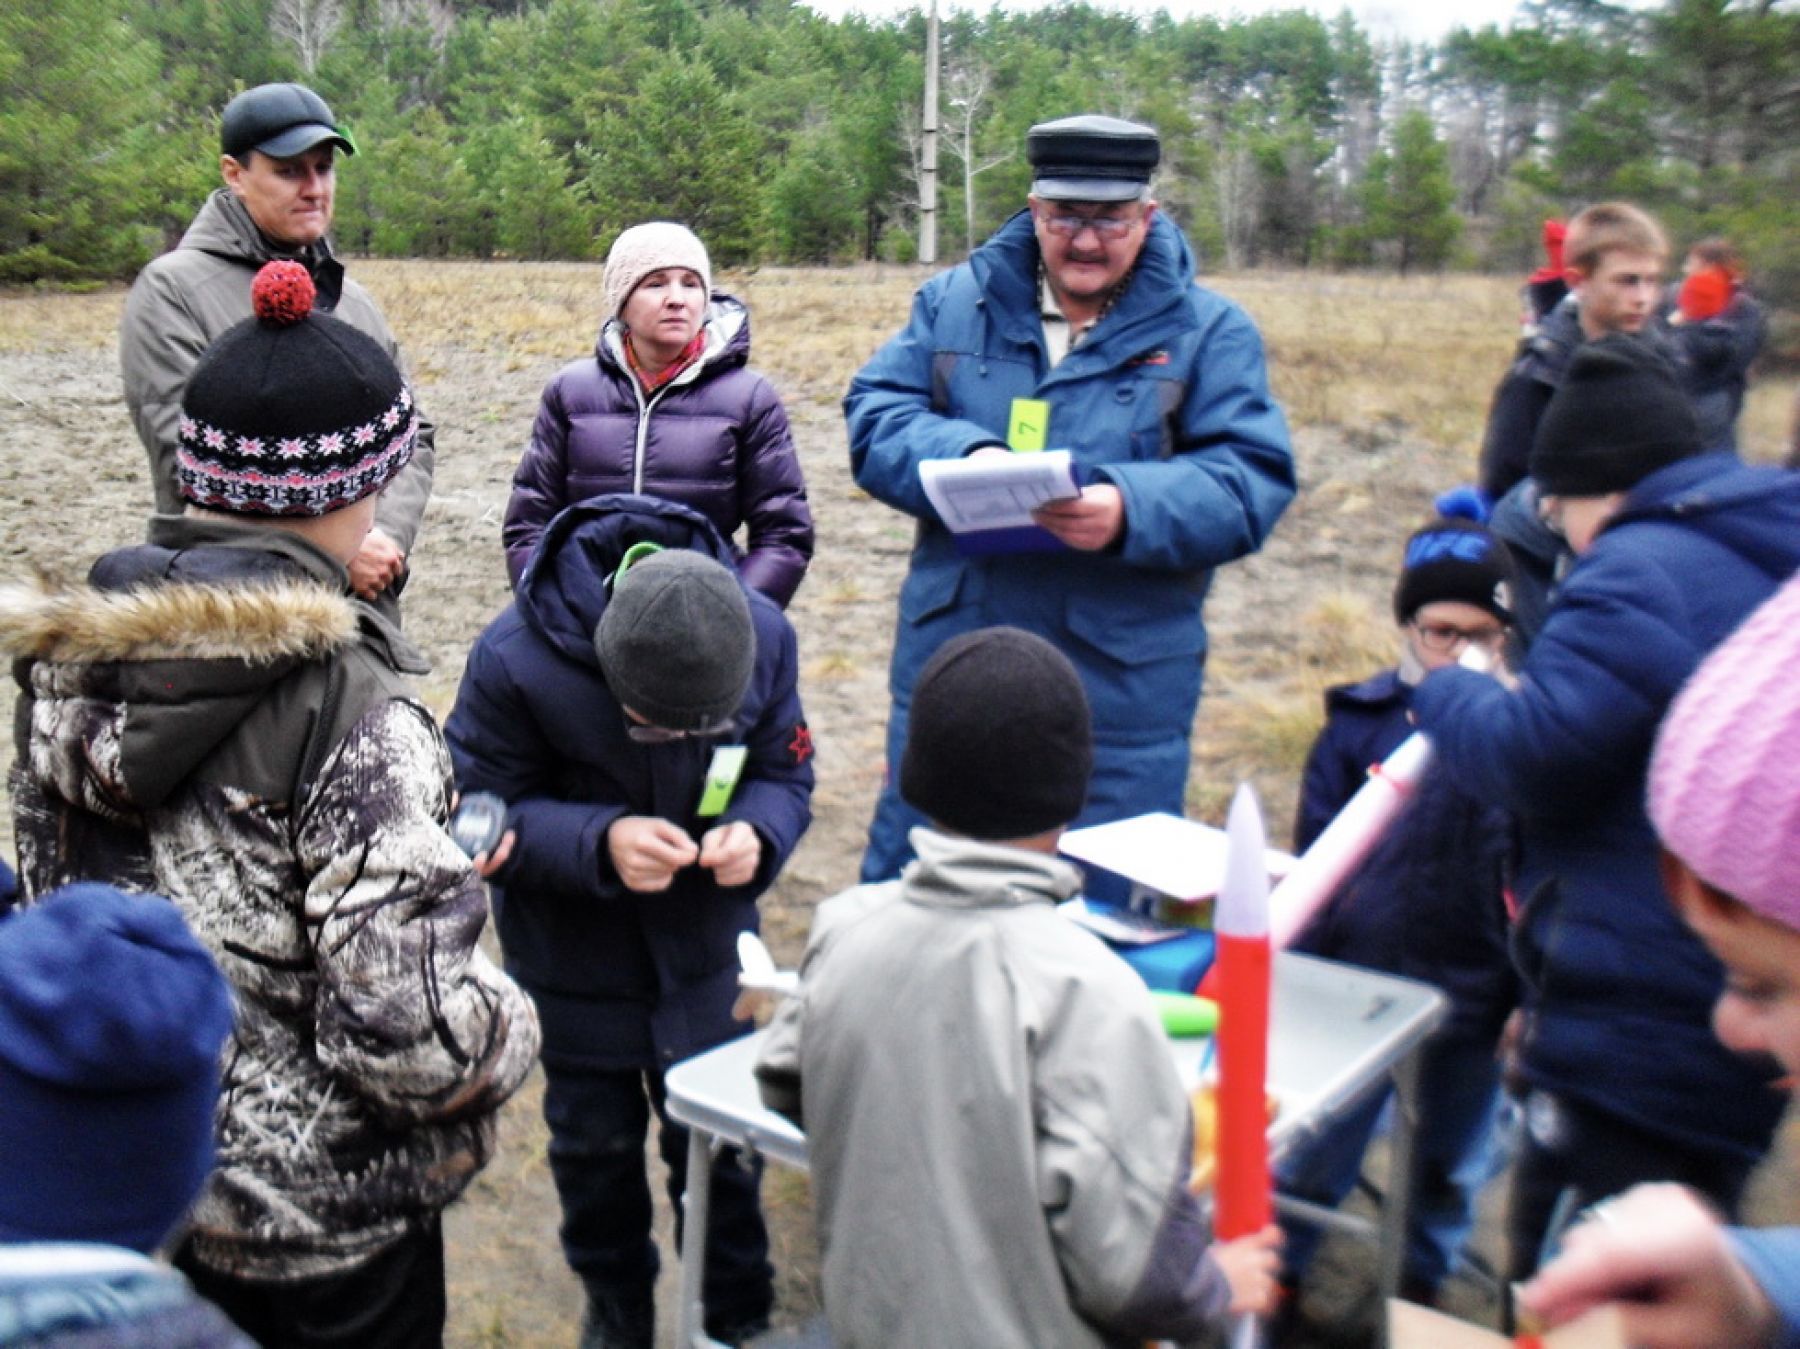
{"type": "Point", "coordinates": [597, 1126]}
{"type": "Point", "coordinates": [394, 1301]}
{"type": "Point", "coordinates": [1572, 1156]}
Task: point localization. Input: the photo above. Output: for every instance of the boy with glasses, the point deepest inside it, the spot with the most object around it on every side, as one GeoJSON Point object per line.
{"type": "Point", "coordinates": [635, 707]}
{"type": "Point", "coordinates": [1428, 903]}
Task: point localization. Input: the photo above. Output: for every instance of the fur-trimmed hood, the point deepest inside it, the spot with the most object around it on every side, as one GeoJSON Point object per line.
{"type": "Point", "coordinates": [134, 680]}
{"type": "Point", "coordinates": [255, 624]}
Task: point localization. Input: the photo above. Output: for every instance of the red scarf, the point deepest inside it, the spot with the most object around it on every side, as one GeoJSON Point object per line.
{"type": "Point", "coordinates": [652, 380]}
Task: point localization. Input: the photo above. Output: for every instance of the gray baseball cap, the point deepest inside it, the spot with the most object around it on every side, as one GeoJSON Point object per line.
{"type": "Point", "coordinates": [281, 120]}
{"type": "Point", "coordinates": [1091, 158]}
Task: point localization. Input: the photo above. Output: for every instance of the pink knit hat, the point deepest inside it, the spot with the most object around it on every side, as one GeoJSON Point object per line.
{"type": "Point", "coordinates": [1725, 776]}
{"type": "Point", "coordinates": [647, 248]}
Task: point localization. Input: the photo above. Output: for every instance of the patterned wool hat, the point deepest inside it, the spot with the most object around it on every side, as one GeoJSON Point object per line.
{"type": "Point", "coordinates": [643, 249]}
{"type": "Point", "coordinates": [999, 743]}
{"type": "Point", "coordinates": [291, 412]}
{"type": "Point", "coordinates": [1724, 793]}
{"type": "Point", "coordinates": [1455, 560]}
{"type": "Point", "coordinates": [112, 1017]}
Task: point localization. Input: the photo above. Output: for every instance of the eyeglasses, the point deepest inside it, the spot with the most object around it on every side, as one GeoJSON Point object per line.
{"type": "Point", "coordinates": [643, 733]}
{"type": "Point", "coordinates": [1108, 227]}
{"type": "Point", "coordinates": [1442, 637]}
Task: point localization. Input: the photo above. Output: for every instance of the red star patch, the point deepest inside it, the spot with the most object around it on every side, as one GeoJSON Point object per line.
{"type": "Point", "coordinates": [801, 746]}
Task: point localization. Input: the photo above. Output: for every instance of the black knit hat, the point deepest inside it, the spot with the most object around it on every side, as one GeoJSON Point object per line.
{"type": "Point", "coordinates": [291, 412]}
{"type": "Point", "coordinates": [1455, 560]}
{"type": "Point", "coordinates": [1619, 416]}
{"type": "Point", "coordinates": [999, 744]}
{"type": "Point", "coordinates": [676, 642]}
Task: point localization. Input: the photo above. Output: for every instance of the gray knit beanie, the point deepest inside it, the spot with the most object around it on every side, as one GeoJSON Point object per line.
{"type": "Point", "coordinates": [647, 248]}
{"type": "Point", "coordinates": [676, 642]}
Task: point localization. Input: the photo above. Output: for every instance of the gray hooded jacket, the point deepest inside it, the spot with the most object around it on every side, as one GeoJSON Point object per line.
{"type": "Point", "coordinates": [1000, 1145]}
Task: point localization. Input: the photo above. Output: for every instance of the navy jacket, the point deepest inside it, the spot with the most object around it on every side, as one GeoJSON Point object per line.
{"type": "Point", "coordinates": [1716, 355]}
{"type": "Point", "coordinates": [1620, 991]}
{"type": "Point", "coordinates": [1428, 902]}
{"type": "Point", "coordinates": [621, 979]}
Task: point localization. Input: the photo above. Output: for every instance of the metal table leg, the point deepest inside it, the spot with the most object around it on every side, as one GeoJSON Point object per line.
{"type": "Point", "coordinates": [1397, 1203]}
{"type": "Point", "coordinates": [696, 1203]}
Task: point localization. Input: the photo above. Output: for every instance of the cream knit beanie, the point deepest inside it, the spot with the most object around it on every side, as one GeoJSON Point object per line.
{"type": "Point", "coordinates": [647, 248]}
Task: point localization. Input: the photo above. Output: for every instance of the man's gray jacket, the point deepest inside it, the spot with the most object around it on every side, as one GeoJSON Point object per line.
{"type": "Point", "coordinates": [999, 1142]}
{"type": "Point", "coordinates": [186, 298]}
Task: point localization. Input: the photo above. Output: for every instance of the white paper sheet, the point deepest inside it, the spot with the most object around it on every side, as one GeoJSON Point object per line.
{"type": "Point", "coordinates": [993, 491]}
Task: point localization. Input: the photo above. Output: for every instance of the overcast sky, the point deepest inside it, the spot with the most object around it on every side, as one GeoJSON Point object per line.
{"type": "Point", "coordinates": [1379, 18]}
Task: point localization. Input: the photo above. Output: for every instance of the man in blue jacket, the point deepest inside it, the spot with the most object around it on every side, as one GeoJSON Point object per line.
{"type": "Point", "coordinates": [1673, 547]}
{"type": "Point", "coordinates": [1084, 303]}
{"type": "Point", "coordinates": [607, 706]}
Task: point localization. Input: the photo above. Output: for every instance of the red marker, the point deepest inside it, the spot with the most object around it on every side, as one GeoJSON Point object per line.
{"type": "Point", "coordinates": [1241, 1203]}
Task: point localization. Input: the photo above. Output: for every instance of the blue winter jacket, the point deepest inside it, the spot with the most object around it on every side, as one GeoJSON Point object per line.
{"type": "Point", "coordinates": [621, 979]}
{"type": "Point", "coordinates": [1620, 991]}
{"type": "Point", "coordinates": [1168, 400]}
{"type": "Point", "coordinates": [1429, 900]}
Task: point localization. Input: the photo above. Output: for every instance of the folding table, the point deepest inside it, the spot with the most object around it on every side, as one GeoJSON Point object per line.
{"type": "Point", "coordinates": [1336, 1033]}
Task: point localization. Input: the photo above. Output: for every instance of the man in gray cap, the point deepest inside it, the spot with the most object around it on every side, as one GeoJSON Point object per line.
{"type": "Point", "coordinates": [1082, 310]}
{"type": "Point", "coordinates": [278, 144]}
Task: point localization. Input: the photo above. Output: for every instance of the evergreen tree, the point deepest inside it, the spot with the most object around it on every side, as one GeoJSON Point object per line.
{"type": "Point", "coordinates": [678, 150]}
{"type": "Point", "coordinates": [1407, 196]}
{"type": "Point", "coordinates": [82, 163]}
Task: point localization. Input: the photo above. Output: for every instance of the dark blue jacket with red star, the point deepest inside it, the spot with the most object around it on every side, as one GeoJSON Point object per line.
{"type": "Point", "coordinates": [621, 979]}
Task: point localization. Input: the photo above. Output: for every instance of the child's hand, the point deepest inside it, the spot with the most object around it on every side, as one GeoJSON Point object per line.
{"type": "Point", "coordinates": [648, 851]}
{"type": "Point", "coordinates": [1250, 1265]}
{"type": "Point", "coordinates": [731, 852]}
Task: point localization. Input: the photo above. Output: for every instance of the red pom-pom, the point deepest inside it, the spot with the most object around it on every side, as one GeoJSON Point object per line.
{"type": "Point", "coordinates": [282, 293]}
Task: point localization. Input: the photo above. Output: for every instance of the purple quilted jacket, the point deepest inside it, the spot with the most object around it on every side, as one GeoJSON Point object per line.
{"type": "Point", "coordinates": [715, 439]}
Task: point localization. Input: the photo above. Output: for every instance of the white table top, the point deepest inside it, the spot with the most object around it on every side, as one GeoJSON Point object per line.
{"type": "Point", "coordinates": [1335, 1031]}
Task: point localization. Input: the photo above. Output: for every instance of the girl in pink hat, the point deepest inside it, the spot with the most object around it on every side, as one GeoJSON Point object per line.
{"type": "Point", "coordinates": [1725, 799]}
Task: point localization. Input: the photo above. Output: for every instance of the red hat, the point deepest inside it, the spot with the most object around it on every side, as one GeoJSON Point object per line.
{"type": "Point", "coordinates": [1705, 294]}
{"type": "Point", "coordinates": [1555, 231]}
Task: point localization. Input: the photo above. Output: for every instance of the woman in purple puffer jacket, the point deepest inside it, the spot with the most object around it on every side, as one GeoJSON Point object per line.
{"type": "Point", "coordinates": [668, 407]}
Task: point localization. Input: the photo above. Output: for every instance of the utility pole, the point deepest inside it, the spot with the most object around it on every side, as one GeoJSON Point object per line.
{"type": "Point", "coordinates": [928, 156]}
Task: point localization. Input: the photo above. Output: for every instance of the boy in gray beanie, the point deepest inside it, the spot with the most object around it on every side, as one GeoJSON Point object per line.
{"type": "Point", "coordinates": [1000, 1146]}
{"type": "Point", "coordinates": [637, 708]}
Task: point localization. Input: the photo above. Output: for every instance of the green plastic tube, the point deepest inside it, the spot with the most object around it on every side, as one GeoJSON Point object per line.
{"type": "Point", "coordinates": [1184, 1015]}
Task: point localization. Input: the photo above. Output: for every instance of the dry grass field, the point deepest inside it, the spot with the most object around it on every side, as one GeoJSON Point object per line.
{"type": "Point", "coordinates": [1386, 381]}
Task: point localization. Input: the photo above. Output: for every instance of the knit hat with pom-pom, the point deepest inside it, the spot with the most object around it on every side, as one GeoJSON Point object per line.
{"type": "Point", "coordinates": [292, 412]}
{"type": "Point", "coordinates": [1724, 796]}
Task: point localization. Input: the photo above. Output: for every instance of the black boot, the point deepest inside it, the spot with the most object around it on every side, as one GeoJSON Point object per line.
{"type": "Point", "coordinates": [619, 1318]}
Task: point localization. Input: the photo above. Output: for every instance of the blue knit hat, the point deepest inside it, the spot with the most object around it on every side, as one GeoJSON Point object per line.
{"type": "Point", "coordinates": [112, 1017]}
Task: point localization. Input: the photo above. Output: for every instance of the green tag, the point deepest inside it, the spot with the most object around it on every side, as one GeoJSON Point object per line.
{"type": "Point", "coordinates": [636, 553]}
{"type": "Point", "coordinates": [722, 776]}
{"type": "Point", "coordinates": [1030, 426]}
